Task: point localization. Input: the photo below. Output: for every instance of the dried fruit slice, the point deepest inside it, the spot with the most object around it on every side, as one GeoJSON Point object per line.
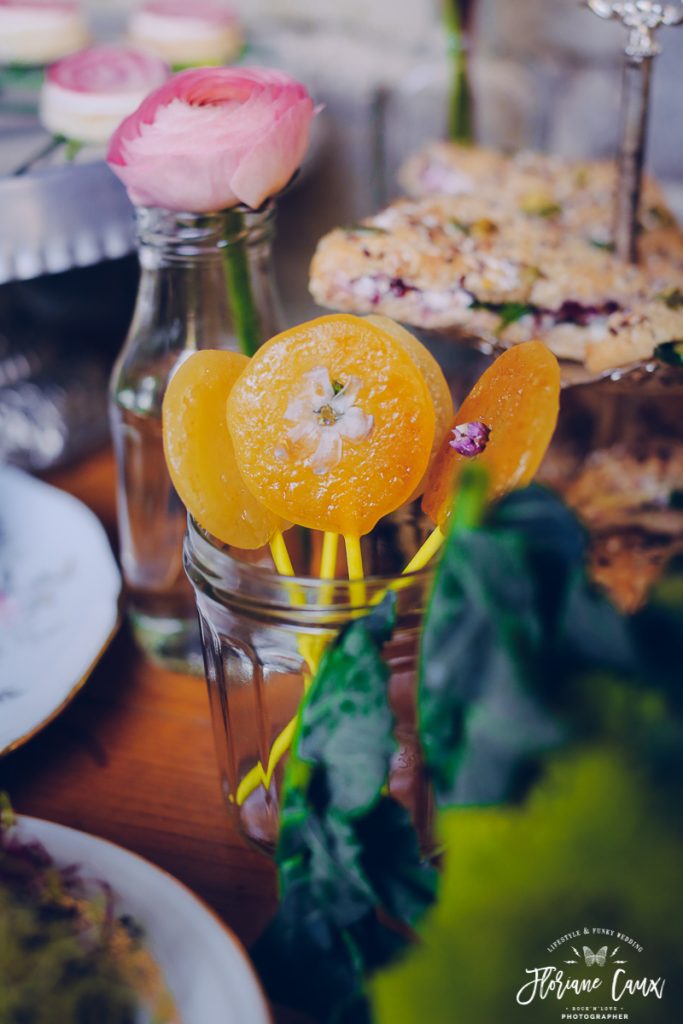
{"type": "Point", "coordinates": [332, 424]}
{"type": "Point", "coordinates": [506, 422]}
{"type": "Point", "coordinates": [200, 455]}
{"type": "Point", "coordinates": [434, 379]}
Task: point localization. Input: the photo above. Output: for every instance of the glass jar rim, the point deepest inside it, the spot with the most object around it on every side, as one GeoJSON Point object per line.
{"type": "Point", "coordinates": [267, 208]}
{"type": "Point", "coordinates": [213, 569]}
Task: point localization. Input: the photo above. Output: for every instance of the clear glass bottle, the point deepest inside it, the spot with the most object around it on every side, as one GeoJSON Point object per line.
{"type": "Point", "coordinates": [206, 280]}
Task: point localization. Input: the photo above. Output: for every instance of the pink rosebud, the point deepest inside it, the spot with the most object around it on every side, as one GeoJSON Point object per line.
{"type": "Point", "coordinates": [470, 439]}
{"type": "Point", "coordinates": [211, 138]}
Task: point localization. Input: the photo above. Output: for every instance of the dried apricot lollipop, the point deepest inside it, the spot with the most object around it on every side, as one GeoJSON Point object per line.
{"type": "Point", "coordinates": [332, 424]}
{"type": "Point", "coordinates": [506, 422]}
{"type": "Point", "coordinates": [434, 379]}
{"type": "Point", "coordinates": [200, 456]}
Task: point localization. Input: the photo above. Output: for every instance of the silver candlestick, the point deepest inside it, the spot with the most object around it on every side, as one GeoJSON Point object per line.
{"type": "Point", "coordinates": [642, 18]}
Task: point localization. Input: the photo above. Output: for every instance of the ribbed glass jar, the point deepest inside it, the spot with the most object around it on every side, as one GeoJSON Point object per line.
{"type": "Point", "coordinates": [255, 624]}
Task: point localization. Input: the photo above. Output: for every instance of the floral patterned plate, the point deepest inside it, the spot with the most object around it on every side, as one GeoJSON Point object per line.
{"type": "Point", "coordinates": [59, 602]}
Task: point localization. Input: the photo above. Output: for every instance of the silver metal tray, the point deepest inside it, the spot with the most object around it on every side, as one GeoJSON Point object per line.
{"type": "Point", "coordinates": [61, 217]}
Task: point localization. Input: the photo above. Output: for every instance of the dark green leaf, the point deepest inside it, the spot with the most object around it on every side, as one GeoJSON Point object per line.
{"type": "Point", "coordinates": [593, 632]}
{"type": "Point", "coordinates": [553, 538]}
{"type": "Point", "coordinates": [303, 960]}
{"type": "Point", "coordinates": [344, 851]}
{"type": "Point", "coordinates": [670, 352]}
{"type": "Point", "coordinates": [404, 885]}
{"type": "Point", "coordinates": [512, 617]}
{"type": "Point", "coordinates": [324, 852]}
{"type": "Point", "coordinates": [346, 723]}
{"type": "Point", "coordinates": [482, 650]}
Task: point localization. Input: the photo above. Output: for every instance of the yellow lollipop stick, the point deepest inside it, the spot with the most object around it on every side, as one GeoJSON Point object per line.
{"type": "Point", "coordinates": [257, 776]}
{"type": "Point", "coordinates": [354, 557]}
{"type": "Point", "coordinates": [328, 561]}
{"type": "Point", "coordinates": [283, 564]}
{"type": "Point", "coordinates": [311, 648]}
{"type": "Point", "coordinates": [354, 561]}
{"type": "Point", "coordinates": [426, 552]}
{"type": "Point", "coordinates": [278, 549]}
{"type": "Point", "coordinates": [328, 570]}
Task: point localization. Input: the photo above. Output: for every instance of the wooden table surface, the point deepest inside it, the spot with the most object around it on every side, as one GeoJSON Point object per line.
{"type": "Point", "coordinates": [131, 759]}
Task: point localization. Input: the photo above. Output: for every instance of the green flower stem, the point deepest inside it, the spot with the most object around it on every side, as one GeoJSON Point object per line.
{"type": "Point", "coordinates": [460, 119]}
{"type": "Point", "coordinates": [72, 149]}
{"type": "Point", "coordinates": [238, 283]}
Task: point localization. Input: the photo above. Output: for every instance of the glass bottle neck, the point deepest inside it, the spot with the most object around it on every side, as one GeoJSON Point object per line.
{"type": "Point", "coordinates": [171, 239]}
{"type": "Point", "coordinates": [186, 289]}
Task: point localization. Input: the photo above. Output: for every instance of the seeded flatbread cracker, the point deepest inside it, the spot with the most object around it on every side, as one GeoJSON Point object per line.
{"type": "Point", "coordinates": [580, 191]}
{"type": "Point", "coordinates": [477, 264]}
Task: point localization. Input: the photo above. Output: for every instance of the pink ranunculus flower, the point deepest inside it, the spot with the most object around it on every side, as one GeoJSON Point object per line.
{"type": "Point", "coordinates": [214, 137]}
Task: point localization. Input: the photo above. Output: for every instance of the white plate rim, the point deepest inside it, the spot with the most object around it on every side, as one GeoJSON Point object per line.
{"type": "Point", "coordinates": [15, 744]}
{"type": "Point", "coordinates": [67, 499]}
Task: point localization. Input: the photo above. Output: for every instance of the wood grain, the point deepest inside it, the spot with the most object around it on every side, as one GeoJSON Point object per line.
{"type": "Point", "coordinates": [132, 760]}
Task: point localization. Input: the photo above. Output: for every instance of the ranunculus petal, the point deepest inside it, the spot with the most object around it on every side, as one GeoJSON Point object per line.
{"type": "Point", "coordinates": [275, 157]}
{"type": "Point", "coordinates": [210, 138]}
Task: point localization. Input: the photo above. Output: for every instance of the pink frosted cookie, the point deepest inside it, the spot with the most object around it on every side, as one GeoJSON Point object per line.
{"type": "Point", "coordinates": [39, 31]}
{"type": "Point", "coordinates": [185, 34]}
{"type": "Point", "coordinates": [86, 95]}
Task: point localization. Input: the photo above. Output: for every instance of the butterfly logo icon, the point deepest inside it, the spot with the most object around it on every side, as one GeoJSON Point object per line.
{"type": "Point", "coordinates": [592, 959]}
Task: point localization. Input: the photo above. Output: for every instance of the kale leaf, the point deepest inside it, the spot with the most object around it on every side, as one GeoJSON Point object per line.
{"type": "Point", "coordinates": [351, 875]}
{"type": "Point", "coordinates": [512, 618]}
